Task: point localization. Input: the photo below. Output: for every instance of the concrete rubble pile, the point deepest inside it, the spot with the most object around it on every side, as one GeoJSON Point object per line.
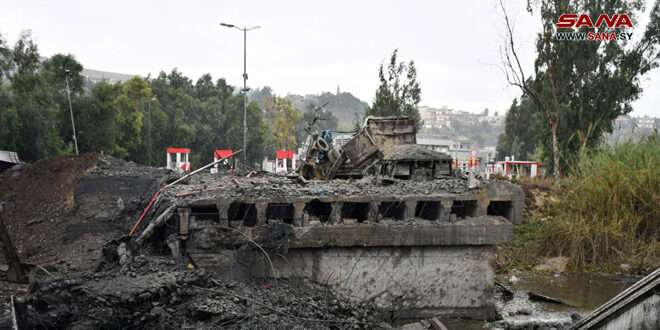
{"type": "Point", "coordinates": [127, 285]}
{"type": "Point", "coordinates": [146, 291]}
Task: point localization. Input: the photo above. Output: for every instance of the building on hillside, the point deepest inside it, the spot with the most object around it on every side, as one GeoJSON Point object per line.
{"type": "Point", "coordinates": [433, 117]}
{"type": "Point", "coordinates": [466, 118]}
{"type": "Point", "coordinates": [444, 116]}
{"type": "Point", "coordinates": [646, 122]}
{"type": "Point", "coordinates": [495, 120]}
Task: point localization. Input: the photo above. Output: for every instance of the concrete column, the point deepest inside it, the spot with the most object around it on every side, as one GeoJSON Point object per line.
{"type": "Point", "coordinates": [410, 209]}
{"type": "Point", "coordinates": [373, 215]}
{"type": "Point", "coordinates": [446, 210]}
{"type": "Point", "coordinates": [184, 220]}
{"type": "Point", "coordinates": [482, 205]}
{"type": "Point", "coordinates": [298, 214]}
{"type": "Point", "coordinates": [517, 204]}
{"type": "Point", "coordinates": [335, 215]}
{"type": "Point", "coordinates": [223, 214]}
{"type": "Point", "coordinates": [261, 213]}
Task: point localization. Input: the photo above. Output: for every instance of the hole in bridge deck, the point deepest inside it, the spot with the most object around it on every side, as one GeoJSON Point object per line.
{"type": "Point", "coordinates": [357, 211]}
{"type": "Point", "coordinates": [463, 209]}
{"type": "Point", "coordinates": [393, 210]}
{"type": "Point", "coordinates": [428, 210]}
{"type": "Point", "coordinates": [280, 211]}
{"type": "Point", "coordinates": [318, 210]}
{"type": "Point", "coordinates": [205, 212]}
{"type": "Point", "coordinates": [243, 212]}
{"type": "Point", "coordinates": [501, 208]}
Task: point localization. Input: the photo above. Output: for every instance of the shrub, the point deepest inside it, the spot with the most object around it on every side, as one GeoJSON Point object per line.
{"type": "Point", "coordinates": [606, 213]}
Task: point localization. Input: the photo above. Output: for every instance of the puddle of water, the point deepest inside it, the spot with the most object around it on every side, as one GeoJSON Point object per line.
{"type": "Point", "coordinates": [585, 292]}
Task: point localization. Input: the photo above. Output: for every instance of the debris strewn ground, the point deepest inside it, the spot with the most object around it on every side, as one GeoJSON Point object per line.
{"type": "Point", "coordinates": [87, 284]}
{"type": "Point", "coordinates": [158, 293]}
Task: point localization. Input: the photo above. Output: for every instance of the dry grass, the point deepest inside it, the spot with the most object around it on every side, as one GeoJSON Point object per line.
{"type": "Point", "coordinates": [607, 213]}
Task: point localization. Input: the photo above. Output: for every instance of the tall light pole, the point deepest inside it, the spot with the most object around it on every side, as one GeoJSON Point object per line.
{"type": "Point", "coordinates": [151, 145]}
{"type": "Point", "coordinates": [245, 89]}
{"type": "Point", "coordinates": [73, 124]}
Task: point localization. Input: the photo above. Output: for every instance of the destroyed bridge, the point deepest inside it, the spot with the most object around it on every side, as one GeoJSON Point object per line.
{"type": "Point", "coordinates": [376, 218]}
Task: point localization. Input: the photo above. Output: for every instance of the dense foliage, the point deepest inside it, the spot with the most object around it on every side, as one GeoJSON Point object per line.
{"type": "Point", "coordinates": [399, 92]}
{"type": "Point", "coordinates": [578, 87]}
{"type": "Point", "coordinates": [136, 119]}
{"type": "Point", "coordinates": [520, 140]}
{"type": "Point", "coordinates": [606, 214]}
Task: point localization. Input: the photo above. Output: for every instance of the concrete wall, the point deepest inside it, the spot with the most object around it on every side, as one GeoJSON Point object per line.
{"type": "Point", "coordinates": [413, 271]}
{"type": "Point", "coordinates": [409, 282]}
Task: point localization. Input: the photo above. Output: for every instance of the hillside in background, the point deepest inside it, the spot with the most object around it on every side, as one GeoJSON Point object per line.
{"type": "Point", "coordinates": [342, 105]}
{"type": "Point", "coordinates": [98, 75]}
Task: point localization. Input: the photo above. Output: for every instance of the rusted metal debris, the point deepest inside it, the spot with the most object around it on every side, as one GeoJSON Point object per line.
{"type": "Point", "coordinates": [387, 141]}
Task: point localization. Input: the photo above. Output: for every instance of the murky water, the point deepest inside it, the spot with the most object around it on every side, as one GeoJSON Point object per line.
{"type": "Point", "coordinates": [584, 292]}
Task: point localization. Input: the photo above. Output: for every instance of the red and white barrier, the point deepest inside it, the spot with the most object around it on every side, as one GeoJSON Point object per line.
{"type": "Point", "coordinates": [220, 154]}
{"type": "Point", "coordinates": [178, 159]}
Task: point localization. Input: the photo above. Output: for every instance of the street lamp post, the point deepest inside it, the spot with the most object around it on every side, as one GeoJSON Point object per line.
{"type": "Point", "coordinates": [150, 142]}
{"type": "Point", "coordinates": [73, 124]}
{"type": "Point", "coordinates": [245, 89]}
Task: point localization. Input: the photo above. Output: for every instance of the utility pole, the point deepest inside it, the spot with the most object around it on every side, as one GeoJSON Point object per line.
{"type": "Point", "coordinates": [73, 124]}
{"type": "Point", "coordinates": [151, 145]}
{"type": "Point", "coordinates": [245, 89]}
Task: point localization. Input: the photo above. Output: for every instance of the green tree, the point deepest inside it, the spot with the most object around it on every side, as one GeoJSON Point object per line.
{"type": "Point", "coordinates": [204, 88]}
{"type": "Point", "coordinates": [281, 118]}
{"type": "Point", "coordinates": [55, 75]}
{"type": "Point", "coordinates": [32, 101]}
{"type": "Point", "coordinates": [5, 58]}
{"type": "Point", "coordinates": [129, 116]}
{"type": "Point", "coordinates": [399, 92]}
{"type": "Point", "coordinates": [10, 121]}
{"type": "Point", "coordinates": [233, 128]}
{"type": "Point", "coordinates": [176, 126]}
{"type": "Point", "coordinates": [581, 87]}
{"type": "Point", "coordinates": [522, 126]}
{"type": "Point", "coordinates": [97, 124]}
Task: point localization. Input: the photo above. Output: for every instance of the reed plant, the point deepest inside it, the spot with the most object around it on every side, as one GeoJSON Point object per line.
{"type": "Point", "coordinates": [607, 213]}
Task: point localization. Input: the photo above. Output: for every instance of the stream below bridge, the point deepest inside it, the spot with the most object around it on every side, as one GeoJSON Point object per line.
{"type": "Point", "coordinates": [584, 292]}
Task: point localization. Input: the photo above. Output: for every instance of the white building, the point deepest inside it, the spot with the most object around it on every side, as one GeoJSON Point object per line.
{"type": "Point", "coordinates": [433, 117]}
{"type": "Point", "coordinates": [646, 122]}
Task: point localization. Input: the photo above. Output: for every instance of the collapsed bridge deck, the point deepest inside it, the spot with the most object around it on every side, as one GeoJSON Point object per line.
{"type": "Point", "coordinates": [258, 201]}
{"type": "Point", "coordinates": [416, 248]}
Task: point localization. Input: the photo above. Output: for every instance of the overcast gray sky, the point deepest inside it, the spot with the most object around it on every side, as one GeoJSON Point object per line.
{"type": "Point", "coordinates": [302, 47]}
